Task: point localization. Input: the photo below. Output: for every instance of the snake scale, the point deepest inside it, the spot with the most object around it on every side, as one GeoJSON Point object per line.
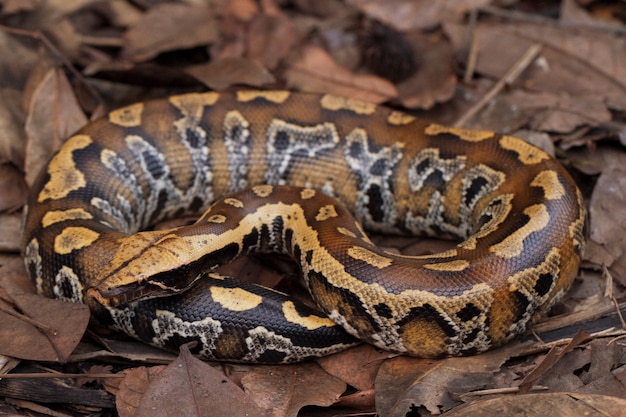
{"type": "Point", "coordinates": [298, 174]}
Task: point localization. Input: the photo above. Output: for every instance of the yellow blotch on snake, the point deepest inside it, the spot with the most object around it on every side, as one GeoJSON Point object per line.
{"type": "Point", "coordinates": [64, 176]}
{"type": "Point", "coordinates": [308, 322]}
{"type": "Point", "coordinates": [235, 299]}
{"type": "Point", "coordinates": [129, 116]}
{"type": "Point", "coordinates": [74, 238]}
{"type": "Point", "coordinates": [57, 216]}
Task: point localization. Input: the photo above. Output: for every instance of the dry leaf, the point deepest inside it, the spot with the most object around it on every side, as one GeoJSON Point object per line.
{"type": "Point", "coordinates": [192, 388]}
{"type": "Point", "coordinates": [283, 390]}
{"type": "Point", "coordinates": [357, 366]}
{"type": "Point", "coordinates": [404, 383]}
{"type": "Point", "coordinates": [561, 404]}
{"type": "Point", "coordinates": [38, 328]}
{"type": "Point", "coordinates": [315, 71]}
{"type": "Point", "coordinates": [10, 232]}
{"type": "Point", "coordinates": [434, 81]}
{"type": "Point", "coordinates": [270, 39]}
{"type": "Point", "coordinates": [577, 62]}
{"type": "Point", "coordinates": [607, 216]}
{"type": "Point", "coordinates": [226, 72]}
{"type": "Point", "coordinates": [53, 115]}
{"type": "Point", "coordinates": [13, 189]}
{"type": "Point", "coordinates": [129, 393]}
{"type": "Point", "coordinates": [169, 26]}
{"type": "Point", "coordinates": [412, 14]}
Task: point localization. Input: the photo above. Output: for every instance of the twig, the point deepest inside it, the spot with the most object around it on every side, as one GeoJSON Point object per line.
{"type": "Point", "coordinates": [619, 312]}
{"type": "Point", "coordinates": [529, 56]}
{"type": "Point", "coordinates": [28, 320]}
{"type": "Point", "coordinates": [472, 57]}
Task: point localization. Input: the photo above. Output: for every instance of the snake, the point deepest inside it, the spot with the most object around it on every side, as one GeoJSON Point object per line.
{"type": "Point", "coordinates": [304, 176]}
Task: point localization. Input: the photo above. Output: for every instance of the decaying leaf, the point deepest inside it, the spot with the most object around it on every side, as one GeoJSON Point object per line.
{"type": "Point", "coordinates": [314, 70]}
{"type": "Point", "coordinates": [169, 26]}
{"type": "Point", "coordinates": [283, 390]}
{"type": "Point", "coordinates": [192, 388]}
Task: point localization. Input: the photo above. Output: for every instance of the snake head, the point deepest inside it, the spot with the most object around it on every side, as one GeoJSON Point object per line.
{"type": "Point", "coordinates": [141, 289]}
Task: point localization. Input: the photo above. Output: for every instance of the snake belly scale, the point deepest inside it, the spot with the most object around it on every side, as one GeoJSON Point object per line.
{"type": "Point", "coordinates": [290, 173]}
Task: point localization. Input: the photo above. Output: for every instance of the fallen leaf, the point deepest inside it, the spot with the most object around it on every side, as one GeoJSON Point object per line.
{"type": "Point", "coordinates": [131, 389]}
{"type": "Point", "coordinates": [169, 26]}
{"type": "Point", "coordinates": [226, 72]}
{"type": "Point", "coordinates": [314, 70]}
{"type": "Point", "coordinates": [53, 115]}
{"type": "Point", "coordinates": [270, 39]}
{"type": "Point", "coordinates": [607, 217]}
{"type": "Point", "coordinates": [35, 327]}
{"type": "Point", "coordinates": [189, 387]}
{"type": "Point", "coordinates": [10, 232]}
{"type": "Point", "coordinates": [411, 14]}
{"type": "Point", "coordinates": [434, 81]}
{"type": "Point", "coordinates": [283, 390]}
{"type": "Point", "coordinates": [13, 189]}
{"type": "Point", "coordinates": [578, 62]}
{"type": "Point", "coordinates": [404, 384]}
{"type": "Point", "coordinates": [560, 404]}
{"type": "Point", "coordinates": [357, 366]}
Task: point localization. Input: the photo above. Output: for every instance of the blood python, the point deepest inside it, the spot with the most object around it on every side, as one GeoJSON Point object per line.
{"type": "Point", "coordinates": [517, 212]}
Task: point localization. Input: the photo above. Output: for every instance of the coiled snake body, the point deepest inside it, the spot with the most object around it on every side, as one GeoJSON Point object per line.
{"type": "Point", "coordinates": [517, 211]}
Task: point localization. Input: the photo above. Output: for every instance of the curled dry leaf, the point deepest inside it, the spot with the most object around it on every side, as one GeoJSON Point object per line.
{"type": "Point", "coordinates": [283, 390]}
{"type": "Point", "coordinates": [315, 70]}
{"type": "Point", "coordinates": [169, 26]}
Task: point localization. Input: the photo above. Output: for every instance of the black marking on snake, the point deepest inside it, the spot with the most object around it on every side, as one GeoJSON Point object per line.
{"type": "Point", "coordinates": [468, 312]}
{"type": "Point", "coordinates": [474, 190]}
{"type": "Point", "coordinates": [520, 303]}
{"type": "Point", "coordinates": [375, 203]}
{"type": "Point", "coordinates": [226, 254]}
{"type": "Point", "coordinates": [429, 314]}
{"type": "Point", "coordinates": [309, 257]}
{"type": "Point", "coordinates": [289, 239]}
{"type": "Point", "coordinates": [196, 204]}
{"type": "Point", "coordinates": [237, 138]}
{"type": "Point", "coordinates": [162, 200]}
{"type": "Point", "coordinates": [367, 325]}
{"type": "Point", "coordinates": [374, 167]}
{"type": "Point", "coordinates": [544, 284]}
{"type": "Point", "coordinates": [278, 226]}
{"type": "Point", "coordinates": [469, 338]}
{"type": "Point", "coordinates": [289, 143]}
{"type": "Point", "coordinates": [251, 240]}
{"type": "Point", "coordinates": [383, 310]}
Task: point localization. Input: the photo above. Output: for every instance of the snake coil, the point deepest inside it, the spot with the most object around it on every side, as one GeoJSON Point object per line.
{"type": "Point", "coordinates": [518, 213]}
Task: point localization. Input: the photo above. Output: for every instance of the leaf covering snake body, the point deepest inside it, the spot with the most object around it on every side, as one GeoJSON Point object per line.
{"type": "Point", "coordinates": [518, 213]}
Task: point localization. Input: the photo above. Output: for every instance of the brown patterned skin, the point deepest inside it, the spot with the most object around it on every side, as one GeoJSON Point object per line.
{"type": "Point", "coordinates": [517, 211]}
